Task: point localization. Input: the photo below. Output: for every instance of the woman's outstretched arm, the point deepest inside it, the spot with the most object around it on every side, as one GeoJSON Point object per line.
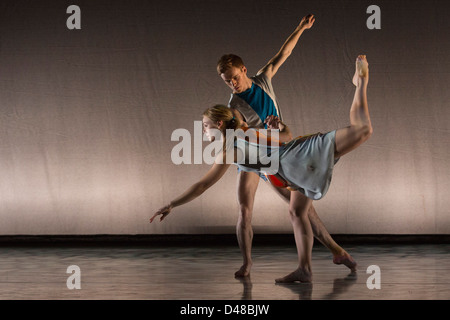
{"type": "Point", "coordinates": [209, 179]}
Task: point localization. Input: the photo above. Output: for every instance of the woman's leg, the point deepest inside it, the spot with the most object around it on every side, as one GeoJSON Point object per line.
{"type": "Point", "coordinates": [340, 256]}
{"type": "Point", "coordinates": [304, 240]}
{"type": "Point", "coordinates": [360, 128]}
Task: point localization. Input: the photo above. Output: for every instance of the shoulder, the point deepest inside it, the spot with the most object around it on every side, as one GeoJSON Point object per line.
{"type": "Point", "coordinates": [261, 76]}
{"type": "Point", "coordinates": [265, 82]}
{"type": "Point", "coordinates": [262, 79]}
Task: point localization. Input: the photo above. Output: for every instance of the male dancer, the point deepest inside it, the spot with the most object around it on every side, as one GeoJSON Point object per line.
{"type": "Point", "coordinates": [254, 102]}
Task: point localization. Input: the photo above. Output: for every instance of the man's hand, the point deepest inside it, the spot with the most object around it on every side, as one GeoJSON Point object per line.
{"type": "Point", "coordinates": [274, 122]}
{"type": "Point", "coordinates": [307, 22]}
{"type": "Point", "coordinates": [271, 68]}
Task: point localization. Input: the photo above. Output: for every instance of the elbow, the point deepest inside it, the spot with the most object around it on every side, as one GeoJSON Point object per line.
{"type": "Point", "coordinates": [286, 137]}
{"type": "Point", "coordinates": [281, 56]}
{"type": "Point", "coordinates": [285, 53]}
{"type": "Point", "coordinates": [369, 131]}
{"type": "Point", "coordinates": [286, 134]}
{"type": "Point", "coordinates": [366, 132]}
{"type": "Point", "coordinates": [289, 136]}
{"type": "Point", "coordinates": [200, 188]}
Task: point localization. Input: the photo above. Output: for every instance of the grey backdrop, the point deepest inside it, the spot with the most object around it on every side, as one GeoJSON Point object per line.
{"type": "Point", "coordinates": [86, 116]}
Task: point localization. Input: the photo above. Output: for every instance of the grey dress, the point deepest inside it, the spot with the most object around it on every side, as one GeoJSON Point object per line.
{"type": "Point", "coordinates": [304, 164]}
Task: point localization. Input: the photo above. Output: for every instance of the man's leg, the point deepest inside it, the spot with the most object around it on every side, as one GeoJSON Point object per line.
{"type": "Point", "coordinates": [246, 189]}
{"type": "Point", "coordinates": [340, 256]}
{"type": "Point", "coordinates": [304, 239]}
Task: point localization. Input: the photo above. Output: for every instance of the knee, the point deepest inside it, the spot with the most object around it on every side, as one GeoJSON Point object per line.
{"type": "Point", "coordinates": [245, 215]}
{"type": "Point", "coordinates": [299, 218]}
{"type": "Point", "coordinates": [296, 213]}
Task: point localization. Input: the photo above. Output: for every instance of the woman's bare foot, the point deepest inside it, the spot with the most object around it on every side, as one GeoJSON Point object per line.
{"type": "Point", "coordinates": [346, 260]}
{"type": "Point", "coordinates": [244, 271]}
{"type": "Point", "coordinates": [301, 275]}
{"type": "Point", "coordinates": [362, 69]}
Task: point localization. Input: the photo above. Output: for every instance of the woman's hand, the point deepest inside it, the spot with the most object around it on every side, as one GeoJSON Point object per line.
{"type": "Point", "coordinates": [164, 211]}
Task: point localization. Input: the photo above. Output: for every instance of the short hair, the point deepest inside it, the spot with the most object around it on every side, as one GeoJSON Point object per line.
{"type": "Point", "coordinates": [228, 61]}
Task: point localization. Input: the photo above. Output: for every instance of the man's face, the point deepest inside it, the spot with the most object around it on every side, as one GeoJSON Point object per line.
{"type": "Point", "coordinates": [236, 79]}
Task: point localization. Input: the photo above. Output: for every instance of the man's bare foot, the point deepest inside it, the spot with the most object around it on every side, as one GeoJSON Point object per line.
{"type": "Point", "coordinates": [298, 275]}
{"type": "Point", "coordinates": [346, 260]}
{"type": "Point", "coordinates": [362, 69]}
{"type": "Point", "coordinates": [244, 271]}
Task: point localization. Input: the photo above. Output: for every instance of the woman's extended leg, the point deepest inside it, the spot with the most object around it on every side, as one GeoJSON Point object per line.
{"type": "Point", "coordinates": [340, 256]}
{"type": "Point", "coordinates": [304, 240]}
{"type": "Point", "coordinates": [360, 128]}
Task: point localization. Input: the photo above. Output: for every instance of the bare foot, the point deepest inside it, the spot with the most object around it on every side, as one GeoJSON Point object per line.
{"type": "Point", "coordinates": [346, 260]}
{"type": "Point", "coordinates": [298, 275]}
{"type": "Point", "coordinates": [362, 69]}
{"type": "Point", "coordinates": [244, 271]}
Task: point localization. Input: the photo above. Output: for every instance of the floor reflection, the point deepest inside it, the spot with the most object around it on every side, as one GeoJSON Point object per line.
{"type": "Point", "coordinates": [342, 285]}
{"type": "Point", "coordinates": [302, 290]}
{"type": "Point", "coordinates": [205, 273]}
{"type": "Point", "coordinates": [248, 286]}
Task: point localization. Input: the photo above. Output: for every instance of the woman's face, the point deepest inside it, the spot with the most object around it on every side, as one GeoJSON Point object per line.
{"type": "Point", "coordinates": [208, 128]}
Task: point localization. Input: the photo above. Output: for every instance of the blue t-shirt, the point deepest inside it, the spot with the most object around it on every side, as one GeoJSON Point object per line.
{"type": "Point", "coordinates": [260, 101]}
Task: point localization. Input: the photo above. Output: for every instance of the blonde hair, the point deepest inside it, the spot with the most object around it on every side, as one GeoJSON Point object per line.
{"type": "Point", "coordinates": [222, 113]}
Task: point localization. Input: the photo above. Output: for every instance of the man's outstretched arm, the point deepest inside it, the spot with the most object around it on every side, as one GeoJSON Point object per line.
{"type": "Point", "coordinates": [271, 68]}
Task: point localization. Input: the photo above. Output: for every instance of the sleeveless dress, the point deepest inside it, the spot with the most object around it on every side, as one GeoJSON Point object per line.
{"type": "Point", "coordinates": [305, 163]}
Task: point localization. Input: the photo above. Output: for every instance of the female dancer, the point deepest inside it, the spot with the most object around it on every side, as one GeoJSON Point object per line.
{"type": "Point", "coordinates": [305, 164]}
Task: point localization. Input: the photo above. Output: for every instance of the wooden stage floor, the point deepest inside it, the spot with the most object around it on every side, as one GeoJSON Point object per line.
{"type": "Point", "coordinates": [407, 272]}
